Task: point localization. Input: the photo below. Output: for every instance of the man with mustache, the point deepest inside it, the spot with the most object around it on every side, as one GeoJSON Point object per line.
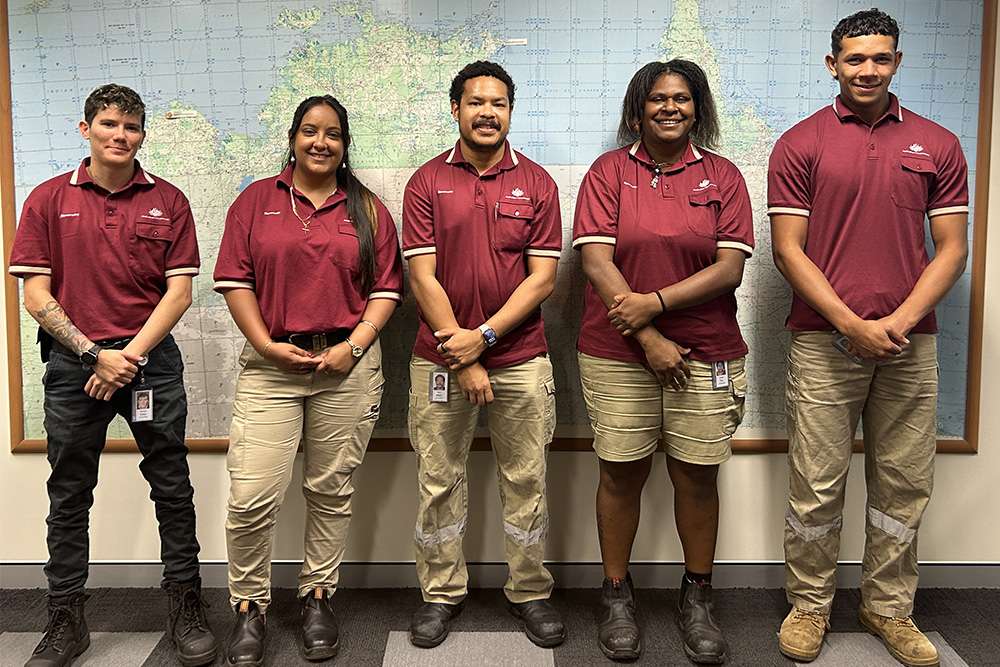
{"type": "Point", "coordinates": [848, 191]}
{"type": "Point", "coordinates": [482, 235]}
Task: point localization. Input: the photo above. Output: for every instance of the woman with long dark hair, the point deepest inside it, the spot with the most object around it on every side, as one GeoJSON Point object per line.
{"type": "Point", "coordinates": [309, 266]}
{"type": "Point", "coordinates": [664, 227]}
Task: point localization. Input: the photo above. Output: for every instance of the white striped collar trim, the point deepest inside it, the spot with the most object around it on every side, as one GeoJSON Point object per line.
{"type": "Point", "coordinates": [694, 150]}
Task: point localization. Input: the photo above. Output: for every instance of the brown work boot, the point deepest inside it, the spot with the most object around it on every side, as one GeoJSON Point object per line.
{"type": "Point", "coordinates": [801, 635]}
{"type": "Point", "coordinates": [905, 642]}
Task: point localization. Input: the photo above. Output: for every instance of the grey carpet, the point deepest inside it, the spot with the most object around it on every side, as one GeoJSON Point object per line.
{"type": "Point", "coordinates": [965, 623]}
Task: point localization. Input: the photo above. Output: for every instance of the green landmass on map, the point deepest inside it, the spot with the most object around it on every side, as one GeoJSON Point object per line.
{"type": "Point", "coordinates": [303, 20]}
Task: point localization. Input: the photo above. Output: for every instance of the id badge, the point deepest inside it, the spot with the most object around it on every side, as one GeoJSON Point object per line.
{"type": "Point", "coordinates": [438, 386]}
{"type": "Point", "coordinates": [142, 404]}
{"type": "Point", "coordinates": [720, 374]}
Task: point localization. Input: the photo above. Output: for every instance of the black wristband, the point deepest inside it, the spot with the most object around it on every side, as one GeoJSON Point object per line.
{"type": "Point", "coordinates": [663, 306]}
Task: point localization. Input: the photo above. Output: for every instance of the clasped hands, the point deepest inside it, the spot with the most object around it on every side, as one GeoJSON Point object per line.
{"type": "Point", "coordinates": [460, 349]}
{"type": "Point", "coordinates": [334, 360]}
{"type": "Point", "coordinates": [630, 312]}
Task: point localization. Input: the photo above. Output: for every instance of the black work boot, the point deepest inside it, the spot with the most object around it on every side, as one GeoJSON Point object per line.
{"type": "Point", "coordinates": [66, 635]}
{"type": "Point", "coordinates": [618, 632]}
{"type": "Point", "coordinates": [703, 640]}
{"type": "Point", "coordinates": [246, 645]}
{"type": "Point", "coordinates": [319, 626]}
{"type": "Point", "coordinates": [187, 626]}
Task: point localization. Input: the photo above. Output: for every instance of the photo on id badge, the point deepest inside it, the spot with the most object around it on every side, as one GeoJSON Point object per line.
{"type": "Point", "coordinates": [142, 405]}
{"type": "Point", "coordinates": [439, 387]}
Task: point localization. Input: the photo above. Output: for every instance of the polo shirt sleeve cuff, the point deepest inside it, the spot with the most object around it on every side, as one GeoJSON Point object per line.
{"type": "Point", "coordinates": [181, 271]}
{"type": "Point", "coordinates": [542, 252]}
{"type": "Point", "coordinates": [413, 252]}
{"type": "Point", "coordinates": [392, 296]}
{"type": "Point", "coordinates": [787, 210]}
{"type": "Point", "coordinates": [946, 210]}
{"type": "Point", "coordinates": [20, 270]}
{"type": "Point", "coordinates": [584, 240]}
{"type": "Point", "coordinates": [735, 245]}
{"type": "Point", "coordinates": [231, 284]}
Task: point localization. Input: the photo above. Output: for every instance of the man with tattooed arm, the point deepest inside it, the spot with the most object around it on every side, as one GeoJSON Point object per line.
{"type": "Point", "coordinates": [107, 253]}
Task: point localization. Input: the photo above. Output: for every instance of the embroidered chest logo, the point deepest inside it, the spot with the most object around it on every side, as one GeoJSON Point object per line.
{"type": "Point", "coordinates": [155, 214]}
{"type": "Point", "coordinates": [916, 149]}
{"type": "Point", "coordinates": [518, 193]}
{"type": "Point", "coordinates": [705, 185]}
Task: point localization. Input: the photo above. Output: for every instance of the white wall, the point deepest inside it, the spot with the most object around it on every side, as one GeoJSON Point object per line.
{"type": "Point", "coordinates": [961, 524]}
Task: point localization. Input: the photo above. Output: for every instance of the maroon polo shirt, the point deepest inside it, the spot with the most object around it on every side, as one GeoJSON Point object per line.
{"type": "Point", "coordinates": [664, 232]}
{"type": "Point", "coordinates": [108, 254]}
{"type": "Point", "coordinates": [865, 191]}
{"type": "Point", "coordinates": [482, 229]}
{"type": "Point", "coordinates": [304, 281]}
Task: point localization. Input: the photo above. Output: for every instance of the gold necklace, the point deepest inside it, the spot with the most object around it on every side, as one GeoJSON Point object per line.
{"type": "Point", "coordinates": [305, 221]}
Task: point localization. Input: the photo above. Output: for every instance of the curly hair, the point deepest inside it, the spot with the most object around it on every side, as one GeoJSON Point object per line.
{"type": "Point", "coordinates": [866, 22]}
{"type": "Point", "coordinates": [477, 69]}
{"type": "Point", "coordinates": [114, 95]}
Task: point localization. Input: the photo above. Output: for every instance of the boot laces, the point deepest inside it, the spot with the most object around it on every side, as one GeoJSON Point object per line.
{"type": "Point", "coordinates": [60, 617]}
{"type": "Point", "coordinates": [191, 610]}
{"type": "Point", "coordinates": [804, 615]}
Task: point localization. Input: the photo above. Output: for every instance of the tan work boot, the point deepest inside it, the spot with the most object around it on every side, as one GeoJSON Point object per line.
{"type": "Point", "coordinates": [905, 642]}
{"type": "Point", "coordinates": [801, 635]}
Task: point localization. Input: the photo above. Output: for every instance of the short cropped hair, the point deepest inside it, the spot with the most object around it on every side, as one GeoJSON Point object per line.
{"type": "Point", "coordinates": [866, 22]}
{"type": "Point", "coordinates": [114, 95]}
{"type": "Point", "coordinates": [705, 132]}
{"type": "Point", "coordinates": [477, 69]}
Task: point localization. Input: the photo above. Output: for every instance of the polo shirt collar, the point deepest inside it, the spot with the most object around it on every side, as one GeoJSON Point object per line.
{"type": "Point", "coordinates": [691, 155]}
{"type": "Point", "coordinates": [506, 163]}
{"type": "Point", "coordinates": [285, 179]}
{"type": "Point", "coordinates": [80, 176]}
{"type": "Point", "coordinates": [843, 113]}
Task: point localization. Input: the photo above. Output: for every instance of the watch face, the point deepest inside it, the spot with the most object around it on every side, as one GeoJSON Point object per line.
{"type": "Point", "coordinates": [89, 358]}
{"type": "Point", "coordinates": [490, 337]}
{"type": "Point", "coordinates": [357, 350]}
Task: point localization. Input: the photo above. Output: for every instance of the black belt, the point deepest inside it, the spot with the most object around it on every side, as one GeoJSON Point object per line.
{"type": "Point", "coordinates": [317, 341]}
{"type": "Point", "coordinates": [109, 344]}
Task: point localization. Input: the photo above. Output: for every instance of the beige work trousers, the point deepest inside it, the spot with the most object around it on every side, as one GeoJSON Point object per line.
{"type": "Point", "coordinates": [826, 394]}
{"type": "Point", "coordinates": [333, 417]}
{"type": "Point", "coordinates": [522, 420]}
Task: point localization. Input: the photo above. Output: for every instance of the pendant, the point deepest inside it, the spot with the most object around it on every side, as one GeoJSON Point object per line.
{"type": "Point", "coordinates": [305, 229]}
{"type": "Point", "coordinates": [656, 179]}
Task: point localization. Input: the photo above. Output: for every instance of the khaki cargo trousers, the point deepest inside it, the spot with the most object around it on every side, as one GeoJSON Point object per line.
{"type": "Point", "coordinates": [273, 411]}
{"type": "Point", "coordinates": [826, 394]}
{"type": "Point", "coordinates": [521, 420]}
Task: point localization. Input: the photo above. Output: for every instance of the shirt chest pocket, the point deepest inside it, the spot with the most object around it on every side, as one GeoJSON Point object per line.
{"type": "Point", "coordinates": [343, 251]}
{"type": "Point", "coordinates": [148, 254]}
{"type": "Point", "coordinates": [703, 212]}
{"type": "Point", "coordinates": [912, 178]}
{"type": "Point", "coordinates": [512, 225]}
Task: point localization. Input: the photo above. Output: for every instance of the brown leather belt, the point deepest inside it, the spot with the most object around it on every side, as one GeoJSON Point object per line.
{"type": "Point", "coordinates": [317, 341]}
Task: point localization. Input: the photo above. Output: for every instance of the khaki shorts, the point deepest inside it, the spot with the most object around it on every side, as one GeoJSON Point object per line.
{"type": "Point", "coordinates": [630, 410]}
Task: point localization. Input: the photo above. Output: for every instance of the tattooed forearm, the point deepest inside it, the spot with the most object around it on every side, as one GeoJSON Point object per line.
{"type": "Point", "coordinates": [55, 321]}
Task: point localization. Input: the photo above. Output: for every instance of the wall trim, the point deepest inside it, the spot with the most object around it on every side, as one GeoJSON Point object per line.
{"type": "Point", "coordinates": [729, 574]}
